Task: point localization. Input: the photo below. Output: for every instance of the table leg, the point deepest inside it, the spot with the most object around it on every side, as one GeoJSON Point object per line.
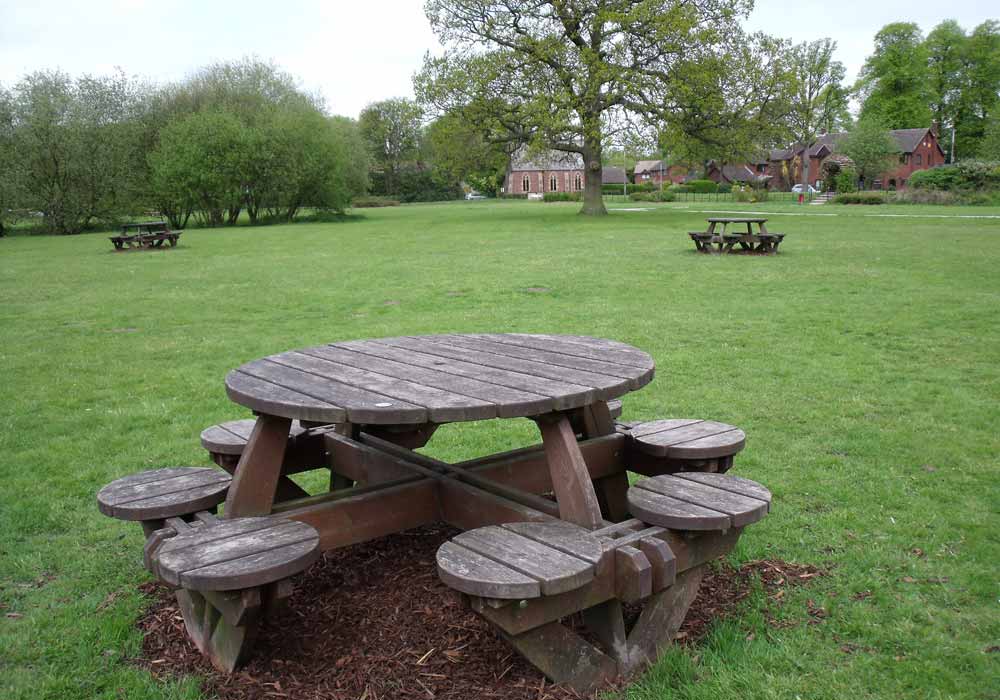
{"type": "Point", "coordinates": [256, 480]}
{"type": "Point", "coordinates": [611, 490]}
{"type": "Point", "coordinates": [570, 479]}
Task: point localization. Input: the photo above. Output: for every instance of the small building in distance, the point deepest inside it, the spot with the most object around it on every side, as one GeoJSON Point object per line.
{"type": "Point", "coordinates": [656, 171]}
{"type": "Point", "coordinates": [729, 174]}
{"type": "Point", "coordinates": [536, 172]}
{"type": "Point", "coordinates": [612, 175]}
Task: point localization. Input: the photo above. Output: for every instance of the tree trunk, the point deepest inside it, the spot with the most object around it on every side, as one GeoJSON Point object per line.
{"type": "Point", "coordinates": [593, 199]}
{"type": "Point", "coordinates": [805, 171]}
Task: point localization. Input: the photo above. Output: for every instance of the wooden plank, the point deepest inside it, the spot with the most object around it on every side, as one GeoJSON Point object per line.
{"type": "Point", "coordinates": [487, 343]}
{"type": "Point", "coordinates": [564, 657]}
{"type": "Point", "coordinates": [721, 444]}
{"type": "Point", "coordinates": [240, 560]}
{"type": "Point", "coordinates": [509, 402]}
{"type": "Point", "coordinates": [728, 482]}
{"type": "Point", "coordinates": [255, 483]}
{"type": "Point", "coordinates": [517, 374]}
{"type": "Point", "coordinates": [442, 406]}
{"type": "Point", "coordinates": [660, 619]}
{"type": "Point", "coordinates": [566, 537]}
{"type": "Point", "coordinates": [467, 507]}
{"type": "Point", "coordinates": [633, 575]}
{"type": "Point", "coordinates": [582, 346]}
{"type": "Point", "coordinates": [163, 493]}
{"type": "Point", "coordinates": [664, 511]}
{"type": "Point", "coordinates": [696, 440]}
{"type": "Point", "coordinates": [570, 477]}
{"type": "Point", "coordinates": [469, 572]}
{"type": "Point", "coordinates": [605, 386]}
{"type": "Point", "coordinates": [266, 397]}
{"type": "Point", "coordinates": [742, 510]}
{"type": "Point", "coordinates": [555, 571]}
{"type": "Point", "coordinates": [656, 426]}
{"type": "Point", "coordinates": [362, 406]}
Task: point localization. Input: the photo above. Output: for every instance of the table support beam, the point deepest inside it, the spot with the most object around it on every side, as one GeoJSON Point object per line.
{"type": "Point", "coordinates": [570, 478]}
{"type": "Point", "coordinates": [255, 482]}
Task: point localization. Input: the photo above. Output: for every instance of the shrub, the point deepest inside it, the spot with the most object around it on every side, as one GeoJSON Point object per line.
{"type": "Point", "coordinates": [562, 196]}
{"type": "Point", "coordinates": [372, 202]}
{"type": "Point", "coordinates": [725, 188]}
{"type": "Point", "coordinates": [628, 188]}
{"type": "Point", "coordinates": [680, 189]}
{"type": "Point", "coordinates": [664, 196]}
{"type": "Point", "coordinates": [845, 181]}
{"type": "Point", "coordinates": [703, 186]}
{"type": "Point", "coordinates": [964, 175]}
{"type": "Point", "coordinates": [860, 198]}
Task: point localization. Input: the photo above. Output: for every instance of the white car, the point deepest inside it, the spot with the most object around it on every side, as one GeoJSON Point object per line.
{"type": "Point", "coordinates": [798, 189]}
{"type": "Point", "coordinates": [474, 195]}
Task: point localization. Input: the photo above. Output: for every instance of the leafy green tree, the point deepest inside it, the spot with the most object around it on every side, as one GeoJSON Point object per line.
{"type": "Point", "coordinates": [392, 130]}
{"type": "Point", "coordinates": [456, 147]}
{"type": "Point", "coordinates": [870, 147]}
{"type": "Point", "coordinates": [894, 82]}
{"type": "Point", "coordinates": [72, 148]}
{"type": "Point", "coordinates": [989, 147]}
{"type": "Point", "coordinates": [819, 99]}
{"type": "Point", "coordinates": [980, 95]}
{"type": "Point", "coordinates": [557, 74]}
{"type": "Point", "coordinates": [946, 46]}
{"type": "Point", "coordinates": [9, 173]}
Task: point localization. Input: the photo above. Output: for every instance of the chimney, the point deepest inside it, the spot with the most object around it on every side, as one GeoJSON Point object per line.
{"type": "Point", "coordinates": [935, 128]}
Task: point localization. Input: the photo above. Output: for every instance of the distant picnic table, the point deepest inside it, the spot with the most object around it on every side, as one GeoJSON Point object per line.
{"type": "Point", "coordinates": [147, 234]}
{"type": "Point", "coordinates": [710, 241]}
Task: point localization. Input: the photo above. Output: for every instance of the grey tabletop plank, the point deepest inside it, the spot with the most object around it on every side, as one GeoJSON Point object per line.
{"type": "Point", "coordinates": [509, 402]}
{"type": "Point", "coordinates": [729, 482]}
{"type": "Point", "coordinates": [561, 535]}
{"type": "Point", "coordinates": [442, 406]}
{"type": "Point", "coordinates": [562, 395]}
{"type": "Point", "coordinates": [600, 386]}
{"type": "Point", "coordinates": [266, 397]}
{"type": "Point", "coordinates": [657, 509]}
{"type": "Point", "coordinates": [580, 346]}
{"type": "Point", "coordinates": [362, 406]}
{"type": "Point", "coordinates": [440, 379]}
{"type": "Point", "coordinates": [488, 344]}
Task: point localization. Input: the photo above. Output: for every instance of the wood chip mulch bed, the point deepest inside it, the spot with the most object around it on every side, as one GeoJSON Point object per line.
{"type": "Point", "coordinates": [373, 622]}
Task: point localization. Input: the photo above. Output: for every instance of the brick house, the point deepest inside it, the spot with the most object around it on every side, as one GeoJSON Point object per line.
{"type": "Point", "coordinates": [738, 172]}
{"type": "Point", "coordinates": [918, 150]}
{"type": "Point", "coordinates": [656, 172]}
{"type": "Point", "coordinates": [536, 172]}
{"type": "Point", "coordinates": [611, 175]}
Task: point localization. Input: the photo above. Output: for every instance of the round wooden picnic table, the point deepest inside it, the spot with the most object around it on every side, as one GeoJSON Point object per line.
{"type": "Point", "coordinates": [410, 383]}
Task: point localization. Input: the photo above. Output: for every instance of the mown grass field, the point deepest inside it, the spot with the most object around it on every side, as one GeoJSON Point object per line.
{"type": "Point", "coordinates": [863, 362]}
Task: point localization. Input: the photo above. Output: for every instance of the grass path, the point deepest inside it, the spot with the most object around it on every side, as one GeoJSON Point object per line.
{"type": "Point", "coordinates": [863, 362]}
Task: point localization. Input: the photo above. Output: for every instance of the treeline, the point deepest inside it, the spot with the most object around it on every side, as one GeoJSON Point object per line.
{"type": "Point", "coordinates": [232, 139]}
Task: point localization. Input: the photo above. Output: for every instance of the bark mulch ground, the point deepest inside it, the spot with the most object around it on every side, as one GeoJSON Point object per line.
{"type": "Point", "coordinates": [373, 621]}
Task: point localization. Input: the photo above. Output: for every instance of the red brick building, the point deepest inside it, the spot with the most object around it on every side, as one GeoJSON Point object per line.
{"type": "Point", "coordinates": [918, 150]}
{"type": "Point", "coordinates": [536, 172]}
{"type": "Point", "coordinates": [656, 171]}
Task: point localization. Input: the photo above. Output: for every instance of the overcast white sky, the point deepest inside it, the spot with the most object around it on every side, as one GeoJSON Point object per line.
{"type": "Point", "coordinates": [353, 52]}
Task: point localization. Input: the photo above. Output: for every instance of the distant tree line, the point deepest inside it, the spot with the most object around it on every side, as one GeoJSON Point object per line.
{"type": "Point", "coordinates": [233, 139]}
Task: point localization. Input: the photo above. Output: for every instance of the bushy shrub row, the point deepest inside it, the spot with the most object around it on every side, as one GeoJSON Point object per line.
{"type": "Point", "coordinates": [964, 175]}
{"type": "Point", "coordinates": [859, 198]}
{"type": "Point", "coordinates": [664, 196]}
{"type": "Point", "coordinates": [371, 202]}
{"type": "Point", "coordinates": [702, 186]}
{"type": "Point", "coordinates": [944, 197]}
{"type": "Point", "coordinates": [415, 185]}
{"type": "Point", "coordinates": [562, 196]}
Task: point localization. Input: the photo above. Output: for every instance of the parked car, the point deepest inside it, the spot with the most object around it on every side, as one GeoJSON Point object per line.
{"type": "Point", "coordinates": [474, 195]}
{"type": "Point", "coordinates": [798, 189]}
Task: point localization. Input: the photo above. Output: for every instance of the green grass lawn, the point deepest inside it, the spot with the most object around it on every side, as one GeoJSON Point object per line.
{"type": "Point", "coordinates": [863, 363]}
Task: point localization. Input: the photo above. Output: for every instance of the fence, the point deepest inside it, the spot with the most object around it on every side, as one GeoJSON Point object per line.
{"type": "Point", "coordinates": [716, 197]}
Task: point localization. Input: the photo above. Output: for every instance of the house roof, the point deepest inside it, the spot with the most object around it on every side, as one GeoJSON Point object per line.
{"type": "Point", "coordinates": [528, 159]}
{"type": "Point", "coordinates": [611, 175]}
{"type": "Point", "coordinates": [649, 166]}
{"type": "Point", "coordinates": [736, 172]}
{"type": "Point", "coordinates": [909, 139]}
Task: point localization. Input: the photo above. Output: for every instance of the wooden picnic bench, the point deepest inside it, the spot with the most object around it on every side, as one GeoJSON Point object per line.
{"type": "Point", "coordinates": [710, 241]}
{"type": "Point", "coordinates": [147, 234]}
{"type": "Point", "coordinates": [523, 560]}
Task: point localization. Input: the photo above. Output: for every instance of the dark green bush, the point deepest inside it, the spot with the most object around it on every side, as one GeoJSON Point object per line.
{"type": "Point", "coordinates": [664, 196]}
{"type": "Point", "coordinates": [703, 186]}
{"type": "Point", "coordinates": [562, 196]}
{"type": "Point", "coordinates": [628, 188]}
{"type": "Point", "coordinates": [725, 187]}
{"type": "Point", "coordinates": [860, 198]}
{"type": "Point", "coordinates": [845, 181]}
{"type": "Point", "coordinates": [964, 175]}
{"type": "Point", "coordinates": [680, 189]}
{"type": "Point", "coordinates": [371, 202]}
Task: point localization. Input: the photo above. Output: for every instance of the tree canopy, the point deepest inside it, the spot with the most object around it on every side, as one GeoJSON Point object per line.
{"type": "Point", "coordinates": [894, 82]}
{"type": "Point", "coordinates": [562, 74]}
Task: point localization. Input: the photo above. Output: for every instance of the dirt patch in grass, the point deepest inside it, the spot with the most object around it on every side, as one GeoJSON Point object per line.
{"type": "Point", "coordinates": [373, 621]}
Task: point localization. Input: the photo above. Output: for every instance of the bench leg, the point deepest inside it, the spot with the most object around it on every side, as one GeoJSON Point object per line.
{"type": "Point", "coordinates": [660, 619]}
{"type": "Point", "coordinates": [564, 657]}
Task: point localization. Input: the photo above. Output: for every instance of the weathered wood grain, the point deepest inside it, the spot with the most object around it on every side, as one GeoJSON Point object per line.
{"type": "Point", "coordinates": [687, 438]}
{"type": "Point", "coordinates": [469, 572]}
{"type": "Point", "coordinates": [163, 493]}
{"type": "Point", "coordinates": [231, 437]}
{"type": "Point", "coordinates": [705, 502]}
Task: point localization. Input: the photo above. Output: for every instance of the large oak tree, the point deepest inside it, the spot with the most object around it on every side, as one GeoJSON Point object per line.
{"type": "Point", "coordinates": [561, 73]}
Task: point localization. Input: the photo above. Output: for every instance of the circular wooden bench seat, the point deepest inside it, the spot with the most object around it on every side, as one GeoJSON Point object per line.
{"type": "Point", "coordinates": [698, 501]}
{"type": "Point", "coordinates": [687, 438]}
{"type": "Point", "coordinates": [231, 438]}
{"type": "Point", "coordinates": [237, 553]}
{"type": "Point", "coordinates": [163, 493]}
{"type": "Point", "coordinates": [520, 560]}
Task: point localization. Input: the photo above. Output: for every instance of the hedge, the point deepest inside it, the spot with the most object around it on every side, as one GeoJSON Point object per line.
{"type": "Point", "coordinates": [664, 196]}
{"type": "Point", "coordinates": [703, 186]}
{"type": "Point", "coordinates": [859, 198]}
{"type": "Point", "coordinates": [562, 196]}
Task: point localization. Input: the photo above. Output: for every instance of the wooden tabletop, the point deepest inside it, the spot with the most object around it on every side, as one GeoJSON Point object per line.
{"type": "Point", "coordinates": [439, 378]}
{"type": "Point", "coordinates": [735, 221]}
